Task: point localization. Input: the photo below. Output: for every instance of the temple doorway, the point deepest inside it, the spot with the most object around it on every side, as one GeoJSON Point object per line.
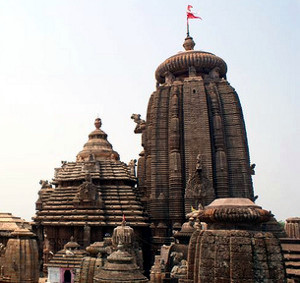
{"type": "Point", "coordinates": [67, 277]}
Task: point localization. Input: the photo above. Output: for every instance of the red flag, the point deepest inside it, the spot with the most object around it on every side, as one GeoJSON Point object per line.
{"type": "Point", "coordinates": [124, 220]}
{"type": "Point", "coordinates": [190, 14]}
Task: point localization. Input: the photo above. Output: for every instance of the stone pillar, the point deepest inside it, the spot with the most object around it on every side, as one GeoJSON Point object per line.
{"type": "Point", "coordinates": [221, 166]}
{"type": "Point", "coordinates": [156, 273]}
{"type": "Point", "coordinates": [175, 172]}
{"type": "Point", "coordinates": [86, 235]}
{"type": "Point", "coordinates": [292, 227]}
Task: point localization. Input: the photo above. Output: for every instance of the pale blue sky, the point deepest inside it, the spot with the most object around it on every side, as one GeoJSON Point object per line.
{"type": "Point", "coordinates": [63, 62]}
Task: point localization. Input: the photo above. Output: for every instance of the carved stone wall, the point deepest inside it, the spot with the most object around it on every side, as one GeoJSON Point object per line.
{"type": "Point", "coordinates": [235, 256]}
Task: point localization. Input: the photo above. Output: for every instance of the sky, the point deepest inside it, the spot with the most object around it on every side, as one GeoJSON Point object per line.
{"type": "Point", "coordinates": [65, 62]}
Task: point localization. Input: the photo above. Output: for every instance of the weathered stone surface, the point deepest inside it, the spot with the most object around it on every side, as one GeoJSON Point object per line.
{"type": "Point", "coordinates": [292, 227]}
{"type": "Point", "coordinates": [21, 259]}
{"type": "Point", "coordinates": [124, 264]}
{"type": "Point", "coordinates": [291, 253]}
{"type": "Point", "coordinates": [193, 115]}
{"type": "Point", "coordinates": [8, 224]}
{"type": "Point", "coordinates": [234, 249]}
{"type": "Point", "coordinates": [89, 197]}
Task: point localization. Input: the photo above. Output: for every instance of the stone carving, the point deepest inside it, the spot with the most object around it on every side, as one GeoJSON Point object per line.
{"type": "Point", "coordinates": [214, 73]}
{"type": "Point", "coordinates": [79, 158]}
{"type": "Point", "coordinates": [192, 71]}
{"type": "Point", "coordinates": [47, 252]}
{"type": "Point", "coordinates": [169, 77]}
{"type": "Point", "coordinates": [140, 123]}
{"type": "Point", "coordinates": [63, 163]}
{"type": "Point", "coordinates": [101, 249]}
{"type": "Point", "coordinates": [132, 165]}
{"type": "Point", "coordinates": [87, 194]}
{"type": "Point", "coordinates": [252, 167]}
{"type": "Point", "coordinates": [45, 184]}
{"type": "Point", "coordinates": [2, 257]}
{"type": "Point", "coordinates": [199, 164]}
{"type": "Point", "coordinates": [199, 189]}
{"type": "Point", "coordinates": [179, 270]}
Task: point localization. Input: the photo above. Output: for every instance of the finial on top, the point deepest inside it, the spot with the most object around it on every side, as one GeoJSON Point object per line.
{"type": "Point", "coordinates": [98, 123]}
{"type": "Point", "coordinates": [189, 43]}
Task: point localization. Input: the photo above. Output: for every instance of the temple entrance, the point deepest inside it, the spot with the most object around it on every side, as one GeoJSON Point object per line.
{"type": "Point", "coordinates": [67, 277]}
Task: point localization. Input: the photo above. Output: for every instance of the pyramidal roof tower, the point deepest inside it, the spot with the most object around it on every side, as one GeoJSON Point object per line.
{"type": "Point", "coordinates": [89, 197]}
{"type": "Point", "coordinates": [194, 139]}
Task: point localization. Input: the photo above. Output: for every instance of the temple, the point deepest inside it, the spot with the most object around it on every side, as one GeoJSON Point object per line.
{"type": "Point", "coordinates": [194, 139]}
{"type": "Point", "coordinates": [188, 215]}
{"type": "Point", "coordinates": [89, 197]}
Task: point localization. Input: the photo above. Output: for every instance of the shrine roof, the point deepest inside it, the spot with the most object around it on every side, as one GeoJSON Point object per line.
{"type": "Point", "coordinates": [9, 223]}
{"type": "Point", "coordinates": [64, 208]}
{"type": "Point", "coordinates": [101, 169]}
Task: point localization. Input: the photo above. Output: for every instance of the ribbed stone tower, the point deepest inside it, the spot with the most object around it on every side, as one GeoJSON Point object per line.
{"type": "Point", "coordinates": [194, 139]}
{"type": "Point", "coordinates": [21, 259]}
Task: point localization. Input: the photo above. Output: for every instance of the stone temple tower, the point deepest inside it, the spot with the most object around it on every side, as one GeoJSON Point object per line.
{"type": "Point", "coordinates": [194, 139]}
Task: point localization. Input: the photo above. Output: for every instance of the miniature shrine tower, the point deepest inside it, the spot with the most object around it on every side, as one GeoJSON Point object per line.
{"type": "Point", "coordinates": [194, 139]}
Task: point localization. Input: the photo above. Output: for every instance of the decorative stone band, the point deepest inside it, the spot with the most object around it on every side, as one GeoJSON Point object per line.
{"type": "Point", "coordinates": [179, 64]}
{"type": "Point", "coordinates": [234, 215]}
{"type": "Point", "coordinates": [233, 210]}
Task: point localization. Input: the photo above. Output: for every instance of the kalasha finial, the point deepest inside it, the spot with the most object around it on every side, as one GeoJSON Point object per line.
{"type": "Point", "coordinates": [98, 123]}
{"type": "Point", "coordinates": [189, 43]}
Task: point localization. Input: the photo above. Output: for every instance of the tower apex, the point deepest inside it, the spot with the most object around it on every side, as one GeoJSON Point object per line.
{"type": "Point", "coordinates": [189, 43]}
{"type": "Point", "coordinates": [98, 123]}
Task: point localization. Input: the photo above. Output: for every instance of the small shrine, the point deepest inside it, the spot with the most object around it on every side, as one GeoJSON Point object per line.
{"type": "Point", "coordinates": [117, 259]}
{"type": "Point", "coordinates": [124, 264]}
{"type": "Point", "coordinates": [20, 261]}
{"type": "Point", "coordinates": [65, 263]}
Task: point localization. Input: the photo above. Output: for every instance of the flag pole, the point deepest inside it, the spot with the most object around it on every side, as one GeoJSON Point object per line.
{"type": "Point", "coordinates": [187, 27]}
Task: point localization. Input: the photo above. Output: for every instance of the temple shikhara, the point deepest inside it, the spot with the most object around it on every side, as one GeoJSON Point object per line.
{"type": "Point", "coordinates": [185, 212]}
{"type": "Point", "coordinates": [194, 139]}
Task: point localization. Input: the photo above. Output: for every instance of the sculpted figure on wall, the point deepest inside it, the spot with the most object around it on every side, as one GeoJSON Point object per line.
{"type": "Point", "coordinates": [199, 189]}
{"type": "Point", "coordinates": [140, 123]}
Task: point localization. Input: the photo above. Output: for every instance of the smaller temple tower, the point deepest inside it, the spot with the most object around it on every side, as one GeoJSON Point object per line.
{"type": "Point", "coordinates": [116, 259]}
{"type": "Point", "coordinates": [88, 197]}
{"type": "Point", "coordinates": [21, 259]}
{"type": "Point", "coordinates": [122, 264]}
